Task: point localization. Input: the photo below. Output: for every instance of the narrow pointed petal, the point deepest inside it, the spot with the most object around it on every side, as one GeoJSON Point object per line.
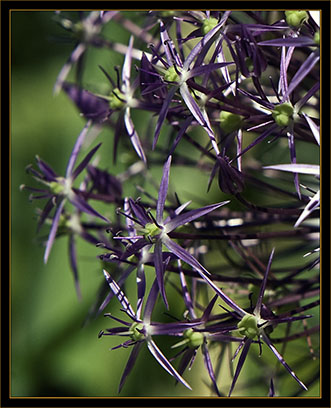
{"type": "Point", "coordinates": [141, 287]}
{"type": "Point", "coordinates": [209, 367]}
{"type": "Point", "coordinates": [43, 216]}
{"type": "Point", "coordinates": [126, 70]}
{"type": "Point", "coordinates": [257, 310]}
{"type": "Point", "coordinates": [74, 57]}
{"type": "Point", "coordinates": [240, 364]}
{"type": "Point", "coordinates": [120, 295]}
{"type": "Point", "coordinates": [159, 269]}
{"type": "Point", "coordinates": [84, 162]}
{"type": "Point", "coordinates": [190, 260]}
{"type": "Point", "coordinates": [133, 135]}
{"type": "Point", "coordinates": [151, 300]}
{"type": "Point", "coordinates": [132, 359]}
{"type": "Point", "coordinates": [82, 205]}
{"type": "Point", "coordinates": [310, 207]}
{"type": "Point", "coordinates": [52, 233]}
{"type": "Point", "coordinates": [282, 361]}
{"type": "Point", "coordinates": [78, 145]}
{"type": "Point", "coordinates": [302, 72]}
{"type": "Point", "coordinates": [163, 191]}
{"type": "Point", "coordinates": [301, 41]}
{"type": "Point", "coordinates": [163, 113]}
{"type": "Point", "coordinates": [313, 169]}
{"type": "Point", "coordinates": [313, 127]}
{"type": "Point", "coordinates": [182, 219]}
{"type": "Point", "coordinates": [46, 169]}
{"type": "Point", "coordinates": [73, 263]}
{"type": "Point", "coordinates": [206, 69]}
{"type": "Point", "coordinates": [187, 298]}
{"type": "Point", "coordinates": [162, 360]}
{"type": "Point", "coordinates": [169, 48]}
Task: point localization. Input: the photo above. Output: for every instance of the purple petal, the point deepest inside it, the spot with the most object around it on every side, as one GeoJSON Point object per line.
{"type": "Point", "coordinates": [187, 298]}
{"type": "Point", "coordinates": [73, 263]}
{"type": "Point", "coordinates": [205, 69]}
{"type": "Point", "coordinates": [313, 127]}
{"type": "Point", "coordinates": [190, 260]}
{"type": "Point", "coordinates": [132, 359]}
{"type": "Point", "coordinates": [240, 364]}
{"type": "Point", "coordinates": [120, 295]}
{"type": "Point", "coordinates": [182, 219]}
{"type": "Point", "coordinates": [302, 72]}
{"type": "Point", "coordinates": [46, 169]}
{"type": "Point", "coordinates": [257, 309]}
{"type": "Point", "coordinates": [91, 106]}
{"type": "Point", "coordinates": [209, 367]}
{"type": "Point", "coordinates": [290, 136]}
{"type": "Point", "coordinates": [259, 139]}
{"type": "Point", "coordinates": [151, 300]}
{"type": "Point", "coordinates": [141, 287]}
{"type": "Point", "coordinates": [53, 230]}
{"type": "Point", "coordinates": [82, 205]}
{"type": "Point", "coordinates": [76, 149]}
{"type": "Point", "coordinates": [163, 113]}
{"type": "Point", "coordinates": [281, 360]}
{"type": "Point", "coordinates": [139, 212]}
{"type": "Point", "coordinates": [159, 269]}
{"type": "Point", "coordinates": [163, 191]}
{"type": "Point", "coordinates": [312, 169]}
{"type": "Point", "coordinates": [192, 105]}
{"type": "Point", "coordinates": [169, 48]}
{"type": "Point", "coordinates": [310, 207]}
{"type": "Point", "coordinates": [289, 42]}
{"type": "Point", "coordinates": [162, 360]}
{"type": "Point", "coordinates": [84, 162]}
{"type": "Point", "coordinates": [133, 135]}
{"type": "Point", "coordinates": [126, 70]}
{"type": "Point", "coordinates": [43, 216]}
{"type": "Point", "coordinates": [75, 55]}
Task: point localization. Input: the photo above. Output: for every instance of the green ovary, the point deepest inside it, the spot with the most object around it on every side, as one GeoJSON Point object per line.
{"type": "Point", "coordinates": [195, 339]}
{"type": "Point", "coordinates": [208, 24]}
{"type": "Point", "coordinates": [115, 101]}
{"type": "Point", "coordinates": [248, 326]}
{"type": "Point", "coordinates": [283, 114]}
{"type": "Point", "coordinates": [296, 18]}
{"type": "Point", "coordinates": [56, 188]}
{"type": "Point", "coordinates": [171, 75]}
{"type": "Point", "coordinates": [150, 231]}
{"type": "Point", "coordinates": [136, 335]}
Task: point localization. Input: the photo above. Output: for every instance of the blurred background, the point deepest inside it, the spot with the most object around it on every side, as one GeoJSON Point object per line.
{"type": "Point", "coordinates": [53, 353]}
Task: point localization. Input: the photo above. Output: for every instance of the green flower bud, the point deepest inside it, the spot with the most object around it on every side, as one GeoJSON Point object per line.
{"type": "Point", "coordinates": [115, 101]}
{"type": "Point", "coordinates": [136, 335]}
{"type": "Point", "coordinates": [317, 37]}
{"type": "Point", "coordinates": [208, 24]}
{"type": "Point", "coordinates": [230, 121]}
{"type": "Point", "coordinates": [195, 339]}
{"type": "Point", "coordinates": [295, 18]}
{"type": "Point", "coordinates": [283, 114]}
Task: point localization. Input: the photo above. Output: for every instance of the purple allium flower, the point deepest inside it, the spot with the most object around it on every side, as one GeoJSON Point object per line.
{"type": "Point", "coordinates": [142, 329]}
{"type": "Point", "coordinates": [60, 189]}
{"type": "Point", "coordinates": [155, 231]}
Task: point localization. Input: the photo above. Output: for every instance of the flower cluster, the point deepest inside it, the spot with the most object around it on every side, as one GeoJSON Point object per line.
{"type": "Point", "coordinates": [229, 95]}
